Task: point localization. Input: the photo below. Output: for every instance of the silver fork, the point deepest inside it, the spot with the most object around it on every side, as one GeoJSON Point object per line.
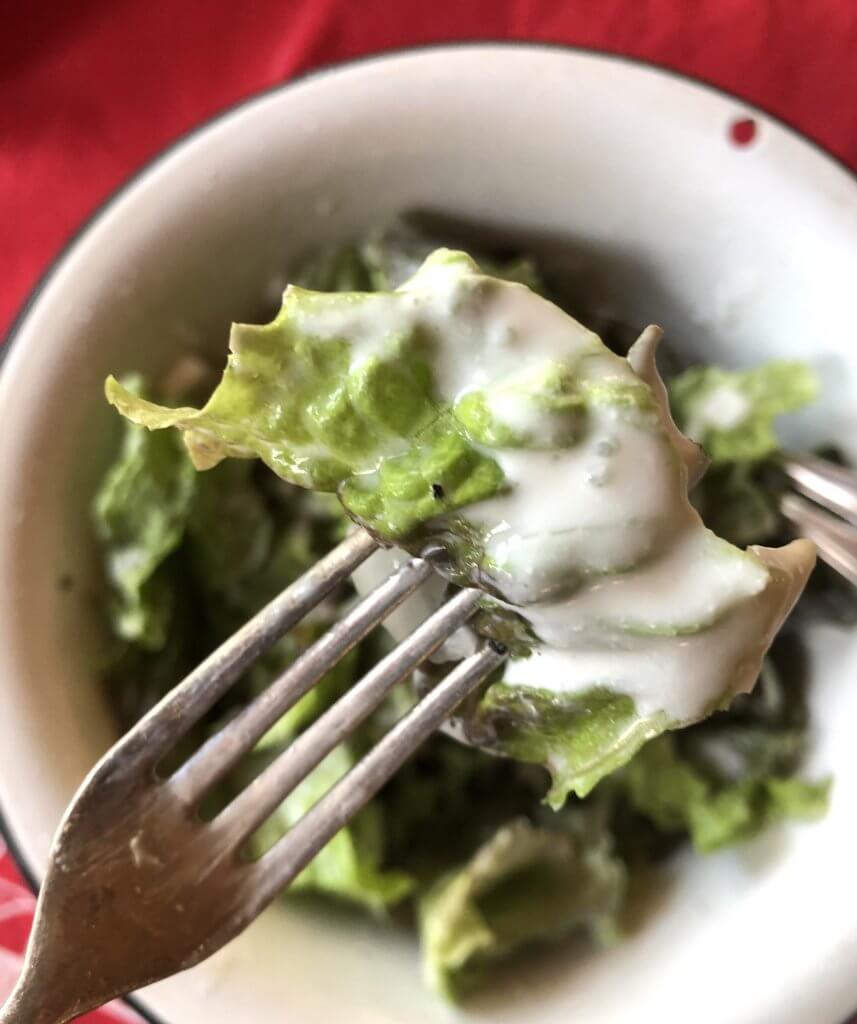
{"type": "Point", "coordinates": [138, 886]}
{"type": "Point", "coordinates": [824, 509]}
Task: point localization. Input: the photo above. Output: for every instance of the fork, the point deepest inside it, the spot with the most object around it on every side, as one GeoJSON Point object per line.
{"type": "Point", "coordinates": [140, 887]}
{"type": "Point", "coordinates": [824, 509]}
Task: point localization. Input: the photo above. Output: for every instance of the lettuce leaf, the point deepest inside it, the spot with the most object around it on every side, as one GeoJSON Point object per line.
{"type": "Point", "coordinates": [371, 427]}
{"type": "Point", "coordinates": [231, 532]}
{"type": "Point", "coordinates": [139, 515]}
{"type": "Point", "coordinates": [579, 738]}
{"type": "Point", "coordinates": [676, 796]}
{"type": "Point", "coordinates": [525, 884]}
{"type": "Point", "coordinates": [731, 413]}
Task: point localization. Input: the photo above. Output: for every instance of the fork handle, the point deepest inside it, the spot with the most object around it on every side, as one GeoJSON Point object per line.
{"type": "Point", "coordinates": [32, 1002]}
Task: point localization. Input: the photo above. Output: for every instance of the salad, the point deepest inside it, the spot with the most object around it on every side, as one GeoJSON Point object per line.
{"type": "Point", "coordinates": [434, 398]}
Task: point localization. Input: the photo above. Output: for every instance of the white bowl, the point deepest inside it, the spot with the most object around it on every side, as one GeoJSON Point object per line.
{"type": "Point", "coordinates": [742, 254]}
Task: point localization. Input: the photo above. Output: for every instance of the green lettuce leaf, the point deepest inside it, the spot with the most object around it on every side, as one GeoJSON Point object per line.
{"type": "Point", "coordinates": [139, 514]}
{"type": "Point", "coordinates": [731, 413]}
{"type": "Point", "coordinates": [323, 421]}
{"type": "Point", "coordinates": [579, 738]}
{"type": "Point", "coordinates": [336, 269]}
{"type": "Point", "coordinates": [525, 884]}
{"type": "Point", "coordinates": [667, 788]}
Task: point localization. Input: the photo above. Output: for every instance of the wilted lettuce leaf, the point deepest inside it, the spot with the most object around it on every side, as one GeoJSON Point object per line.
{"type": "Point", "coordinates": [668, 789]}
{"type": "Point", "coordinates": [731, 413]}
{"type": "Point", "coordinates": [349, 866]}
{"type": "Point", "coordinates": [140, 513]}
{"type": "Point", "coordinates": [579, 738]}
{"type": "Point", "coordinates": [525, 884]}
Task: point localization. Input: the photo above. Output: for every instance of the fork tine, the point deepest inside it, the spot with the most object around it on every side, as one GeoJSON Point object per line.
{"type": "Point", "coordinates": [221, 752]}
{"type": "Point", "coordinates": [170, 719]}
{"type": "Point", "coordinates": [830, 485]}
{"type": "Point", "coordinates": [835, 539]}
{"type": "Point", "coordinates": [336, 808]}
{"type": "Point", "coordinates": [266, 792]}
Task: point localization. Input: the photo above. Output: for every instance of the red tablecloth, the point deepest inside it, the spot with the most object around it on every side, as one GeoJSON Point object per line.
{"type": "Point", "coordinates": [90, 89]}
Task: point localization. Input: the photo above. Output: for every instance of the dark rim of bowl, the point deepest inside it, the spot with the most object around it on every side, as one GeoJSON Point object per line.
{"type": "Point", "coordinates": [743, 106]}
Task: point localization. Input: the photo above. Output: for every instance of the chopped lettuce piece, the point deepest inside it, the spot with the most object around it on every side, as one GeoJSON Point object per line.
{"type": "Point", "coordinates": [325, 413]}
{"type": "Point", "coordinates": [140, 514]}
{"type": "Point", "coordinates": [579, 738]}
{"type": "Point", "coordinates": [666, 788]}
{"type": "Point", "coordinates": [731, 413]}
{"type": "Point", "coordinates": [349, 866]}
{"type": "Point", "coordinates": [524, 885]}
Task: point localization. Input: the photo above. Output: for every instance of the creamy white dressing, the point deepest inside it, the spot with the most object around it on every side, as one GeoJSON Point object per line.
{"type": "Point", "coordinates": [417, 607]}
{"type": "Point", "coordinates": [525, 418]}
{"type": "Point", "coordinates": [696, 580]}
{"type": "Point", "coordinates": [596, 545]}
{"type": "Point", "coordinates": [686, 676]}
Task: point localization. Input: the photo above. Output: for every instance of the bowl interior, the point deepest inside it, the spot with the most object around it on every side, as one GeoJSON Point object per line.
{"type": "Point", "coordinates": [626, 178]}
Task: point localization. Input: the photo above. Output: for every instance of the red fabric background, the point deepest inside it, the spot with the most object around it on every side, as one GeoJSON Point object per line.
{"type": "Point", "coordinates": [91, 89]}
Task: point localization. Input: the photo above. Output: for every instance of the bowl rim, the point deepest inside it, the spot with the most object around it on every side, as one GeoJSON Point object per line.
{"type": "Point", "coordinates": [103, 207]}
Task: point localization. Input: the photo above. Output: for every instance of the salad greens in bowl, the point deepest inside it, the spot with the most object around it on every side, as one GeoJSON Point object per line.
{"type": "Point", "coordinates": [597, 837]}
{"type": "Point", "coordinates": [442, 402]}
